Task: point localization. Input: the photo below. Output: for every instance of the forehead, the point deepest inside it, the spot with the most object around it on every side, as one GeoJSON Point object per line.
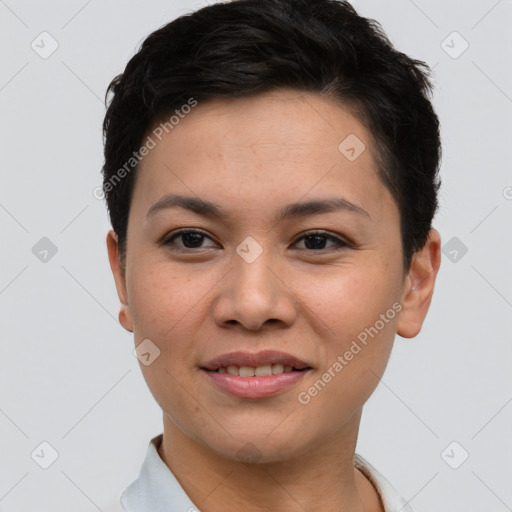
{"type": "Point", "coordinates": [273, 148]}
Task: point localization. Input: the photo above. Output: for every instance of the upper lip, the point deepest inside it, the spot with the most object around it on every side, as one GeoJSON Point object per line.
{"type": "Point", "coordinates": [263, 358]}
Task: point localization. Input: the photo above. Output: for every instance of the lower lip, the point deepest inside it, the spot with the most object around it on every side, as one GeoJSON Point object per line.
{"type": "Point", "coordinates": [255, 387]}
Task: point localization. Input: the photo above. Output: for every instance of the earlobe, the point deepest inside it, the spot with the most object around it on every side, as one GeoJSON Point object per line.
{"type": "Point", "coordinates": [419, 287]}
{"type": "Point", "coordinates": [120, 280]}
{"type": "Point", "coordinates": [125, 318]}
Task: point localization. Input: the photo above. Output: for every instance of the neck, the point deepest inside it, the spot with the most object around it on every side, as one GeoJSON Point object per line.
{"type": "Point", "coordinates": [321, 479]}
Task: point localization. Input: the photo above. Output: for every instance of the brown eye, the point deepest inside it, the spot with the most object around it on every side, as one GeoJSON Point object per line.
{"type": "Point", "coordinates": [191, 239]}
{"type": "Point", "coordinates": [316, 241]}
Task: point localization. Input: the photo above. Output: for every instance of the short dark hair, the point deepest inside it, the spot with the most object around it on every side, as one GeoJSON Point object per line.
{"type": "Point", "coordinates": [248, 47]}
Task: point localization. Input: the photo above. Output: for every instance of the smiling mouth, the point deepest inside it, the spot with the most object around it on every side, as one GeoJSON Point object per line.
{"type": "Point", "coordinates": [259, 371]}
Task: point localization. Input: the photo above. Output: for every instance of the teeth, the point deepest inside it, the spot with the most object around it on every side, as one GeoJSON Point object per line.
{"type": "Point", "coordinates": [246, 371]}
{"type": "Point", "coordinates": [277, 368]}
{"type": "Point", "coordinates": [232, 370]}
{"type": "Point", "coordinates": [260, 371]}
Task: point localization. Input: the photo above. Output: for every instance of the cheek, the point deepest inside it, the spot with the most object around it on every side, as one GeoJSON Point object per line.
{"type": "Point", "coordinates": [360, 312]}
{"type": "Point", "coordinates": [350, 300]}
{"type": "Point", "coordinates": [163, 298]}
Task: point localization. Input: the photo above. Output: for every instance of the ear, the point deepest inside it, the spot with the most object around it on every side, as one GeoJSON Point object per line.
{"type": "Point", "coordinates": [120, 279]}
{"type": "Point", "coordinates": [419, 287]}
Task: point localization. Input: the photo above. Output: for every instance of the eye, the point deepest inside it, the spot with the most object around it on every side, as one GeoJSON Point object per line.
{"type": "Point", "coordinates": [191, 239]}
{"type": "Point", "coordinates": [316, 241]}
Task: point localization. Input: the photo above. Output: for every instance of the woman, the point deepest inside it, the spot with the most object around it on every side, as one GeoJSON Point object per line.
{"type": "Point", "coordinates": [271, 173]}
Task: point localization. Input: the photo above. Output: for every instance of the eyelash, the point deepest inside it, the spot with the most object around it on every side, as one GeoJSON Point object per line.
{"type": "Point", "coordinates": [342, 244]}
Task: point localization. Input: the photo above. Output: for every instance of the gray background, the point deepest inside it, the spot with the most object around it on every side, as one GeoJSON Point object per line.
{"type": "Point", "coordinates": [67, 372]}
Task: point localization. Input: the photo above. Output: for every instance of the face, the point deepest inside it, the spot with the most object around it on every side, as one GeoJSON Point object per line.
{"type": "Point", "coordinates": [260, 281]}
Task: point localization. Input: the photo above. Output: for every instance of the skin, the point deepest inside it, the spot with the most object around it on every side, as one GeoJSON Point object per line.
{"type": "Point", "coordinates": [252, 157]}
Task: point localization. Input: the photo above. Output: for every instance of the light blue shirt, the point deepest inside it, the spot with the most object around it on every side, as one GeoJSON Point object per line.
{"type": "Point", "coordinates": [157, 490]}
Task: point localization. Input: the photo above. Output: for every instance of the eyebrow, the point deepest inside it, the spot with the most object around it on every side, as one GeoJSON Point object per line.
{"type": "Point", "coordinates": [293, 210]}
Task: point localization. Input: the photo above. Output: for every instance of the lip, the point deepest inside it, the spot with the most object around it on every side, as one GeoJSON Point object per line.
{"type": "Point", "coordinates": [262, 358]}
{"type": "Point", "coordinates": [255, 387]}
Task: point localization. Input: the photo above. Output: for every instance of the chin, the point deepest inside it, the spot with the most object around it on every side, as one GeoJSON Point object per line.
{"type": "Point", "coordinates": [258, 447]}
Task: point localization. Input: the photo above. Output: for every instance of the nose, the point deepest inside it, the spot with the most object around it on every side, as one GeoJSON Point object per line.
{"type": "Point", "coordinates": [256, 294]}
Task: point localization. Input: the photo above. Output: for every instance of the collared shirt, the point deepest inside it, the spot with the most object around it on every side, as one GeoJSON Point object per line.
{"type": "Point", "coordinates": [157, 490]}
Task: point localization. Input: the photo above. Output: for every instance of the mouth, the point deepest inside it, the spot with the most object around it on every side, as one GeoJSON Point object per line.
{"type": "Point", "coordinates": [255, 375]}
{"type": "Point", "coordinates": [258, 364]}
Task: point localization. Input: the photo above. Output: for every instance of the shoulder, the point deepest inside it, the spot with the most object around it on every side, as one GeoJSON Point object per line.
{"type": "Point", "coordinates": [391, 499]}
